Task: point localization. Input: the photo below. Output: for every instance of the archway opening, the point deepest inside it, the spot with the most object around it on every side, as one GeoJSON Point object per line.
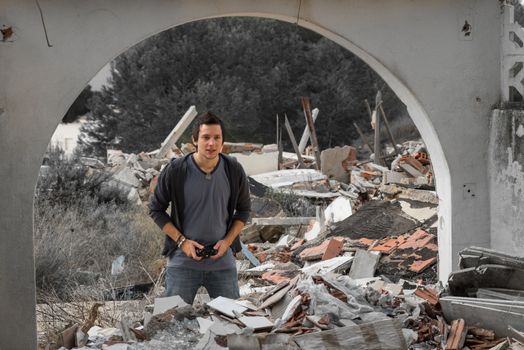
{"type": "Point", "coordinates": [328, 139]}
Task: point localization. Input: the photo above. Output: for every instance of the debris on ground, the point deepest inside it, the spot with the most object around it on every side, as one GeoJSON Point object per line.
{"type": "Point", "coordinates": [341, 254]}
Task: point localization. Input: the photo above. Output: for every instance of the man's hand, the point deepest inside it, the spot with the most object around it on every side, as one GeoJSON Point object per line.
{"type": "Point", "coordinates": [221, 246]}
{"type": "Point", "coordinates": [189, 248]}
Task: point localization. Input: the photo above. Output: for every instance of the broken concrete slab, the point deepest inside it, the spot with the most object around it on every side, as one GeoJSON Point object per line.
{"type": "Point", "coordinates": [384, 334]}
{"type": "Point", "coordinates": [485, 313]}
{"type": "Point", "coordinates": [393, 177]}
{"type": "Point", "coordinates": [485, 276]}
{"type": "Point", "coordinates": [421, 214]}
{"type": "Point", "coordinates": [313, 232]}
{"type": "Point", "coordinates": [164, 304]}
{"type": "Point", "coordinates": [475, 256]}
{"type": "Point", "coordinates": [291, 307]}
{"type": "Point", "coordinates": [338, 210]}
{"type": "Point", "coordinates": [288, 177]}
{"type": "Point", "coordinates": [336, 264]}
{"type": "Point", "coordinates": [256, 322]}
{"type": "Point", "coordinates": [257, 163]}
{"type": "Point", "coordinates": [336, 162]}
{"type": "Point", "coordinates": [282, 221]}
{"type": "Point", "coordinates": [364, 264]}
{"type": "Point", "coordinates": [226, 306]}
{"type": "Point", "coordinates": [500, 293]}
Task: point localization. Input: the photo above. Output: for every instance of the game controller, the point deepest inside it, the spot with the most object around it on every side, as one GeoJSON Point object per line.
{"type": "Point", "coordinates": [207, 251]}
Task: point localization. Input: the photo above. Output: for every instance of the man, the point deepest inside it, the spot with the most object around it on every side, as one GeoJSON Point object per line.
{"type": "Point", "coordinates": [209, 196]}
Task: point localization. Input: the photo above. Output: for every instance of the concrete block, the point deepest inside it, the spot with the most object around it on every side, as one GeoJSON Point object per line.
{"type": "Point", "coordinates": [393, 177]}
{"type": "Point", "coordinates": [383, 334]}
{"type": "Point", "coordinates": [256, 322]}
{"type": "Point", "coordinates": [164, 304]}
{"type": "Point", "coordinates": [257, 163]}
{"type": "Point", "coordinates": [420, 214]}
{"type": "Point", "coordinates": [338, 210]}
{"type": "Point", "coordinates": [288, 177]}
{"type": "Point", "coordinates": [496, 315]}
{"type": "Point", "coordinates": [364, 264]}
{"type": "Point", "coordinates": [226, 306]}
{"type": "Point", "coordinates": [335, 162]}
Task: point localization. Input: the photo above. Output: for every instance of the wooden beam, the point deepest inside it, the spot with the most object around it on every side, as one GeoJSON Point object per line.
{"type": "Point", "coordinates": [177, 131]}
{"type": "Point", "coordinates": [276, 221]}
{"type": "Point", "coordinates": [388, 130]}
{"type": "Point", "coordinates": [314, 141]}
{"type": "Point", "coordinates": [364, 139]}
{"type": "Point", "coordinates": [279, 144]}
{"type": "Point", "coordinates": [294, 142]}
{"type": "Point", "coordinates": [376, 142]}
{"type": "Point", "coordinates": [306, 134]}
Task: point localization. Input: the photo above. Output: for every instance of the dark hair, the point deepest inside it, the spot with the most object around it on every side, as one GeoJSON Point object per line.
{"type": "Point", "coordinates": [207, 118]}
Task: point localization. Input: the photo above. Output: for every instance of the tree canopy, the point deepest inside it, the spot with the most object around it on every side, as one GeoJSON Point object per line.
{"type": "Point", "coordinates": [246, 70]}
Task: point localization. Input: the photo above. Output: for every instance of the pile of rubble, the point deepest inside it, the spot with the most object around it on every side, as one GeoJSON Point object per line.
{"type": "Point", "coordinates": [329, 306]}
{"type": "Point", "coordinates": [353, 267]}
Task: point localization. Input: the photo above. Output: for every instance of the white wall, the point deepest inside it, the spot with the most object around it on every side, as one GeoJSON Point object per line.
{"type": "Point", "coordinates": [506, 160]}
{"type": "Point", "coordinates": [66, 136]}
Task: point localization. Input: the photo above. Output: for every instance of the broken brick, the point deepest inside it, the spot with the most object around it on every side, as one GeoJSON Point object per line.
{"type": "Point", "coordinates": [427, 294]}
{"type": "Point", "coordinates": [457, 335]}
{"type": "Point", "coordinates": [327, 250]}
{"type": "Point", "coordinates": [418, 239]}
{"type": "Point", "coordinates": [420, 265]}
{"type": "Point", "coordinates": [366, 241]}
{"type": "Point", "coordinates": [275, 277]}
{"type": "Point", "coordinates": [389, 245]}
{"type": "Point", "coordinates": [297, 244]}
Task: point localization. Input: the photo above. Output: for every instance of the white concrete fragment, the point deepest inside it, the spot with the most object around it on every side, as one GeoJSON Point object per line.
{"type": "Point", "coordinates": [226, 306]}
{"type": "Point", "coordinates": [291, 307]}
{"type": "Point", "coordinates": [257, 163]}
{"type": "Point", "coordinates": [284, 241]}
{"type": "Point", "coordinates": [520, 131]}
{"type": "Point", "coordinates": [118, 346]}
{"type": "Point", "coordinates": [164, 304]}
{"type": "Point", "coordinates": [335, 162]}
{"type": "Point", "coordinates": [420, 214]}
{"type": "Point", "coordinates": [338, 210]}
{"type": "Point", "coordinates": [288, 177]}
{"type": "Point", "coordinates": [256, 322]}
{"type": "Point", "coordinates": [247, 303]}
{"type": "Point", "coordinates": [364, 264]}
{"type": "Point", "coordinates": [117, 266]}
{"type": "Point", "coordinates": [313, 232]}
{"type": "Point", "coordinates": [247, 289]}
{"type": "Point", "coordinates": [326, 266]}
{"type": "Point", "coordinates": [261, 268]}
{"type": "Point", "coordinates": [204, 324]}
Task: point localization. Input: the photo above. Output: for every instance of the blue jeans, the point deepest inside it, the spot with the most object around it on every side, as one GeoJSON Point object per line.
{"type": "Point", "coordinates": [185, 283]}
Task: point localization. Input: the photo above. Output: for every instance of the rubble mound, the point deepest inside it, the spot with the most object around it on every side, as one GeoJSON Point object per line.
{"type": "Point", "coordinates": [375, 220]}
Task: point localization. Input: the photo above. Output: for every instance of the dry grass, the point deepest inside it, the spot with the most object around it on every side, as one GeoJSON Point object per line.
{"type": "Point", "coordinates": [76, 245]}
{"type": "Point", "coordinates": [78, 235]}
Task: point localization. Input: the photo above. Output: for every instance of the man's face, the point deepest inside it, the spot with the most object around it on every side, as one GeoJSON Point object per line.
{"type": "Point", "coordinates": [210, 141]}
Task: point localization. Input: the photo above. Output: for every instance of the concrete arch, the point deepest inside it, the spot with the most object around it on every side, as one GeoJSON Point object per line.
{"type": "Point", "coordinates": [416, 47]}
